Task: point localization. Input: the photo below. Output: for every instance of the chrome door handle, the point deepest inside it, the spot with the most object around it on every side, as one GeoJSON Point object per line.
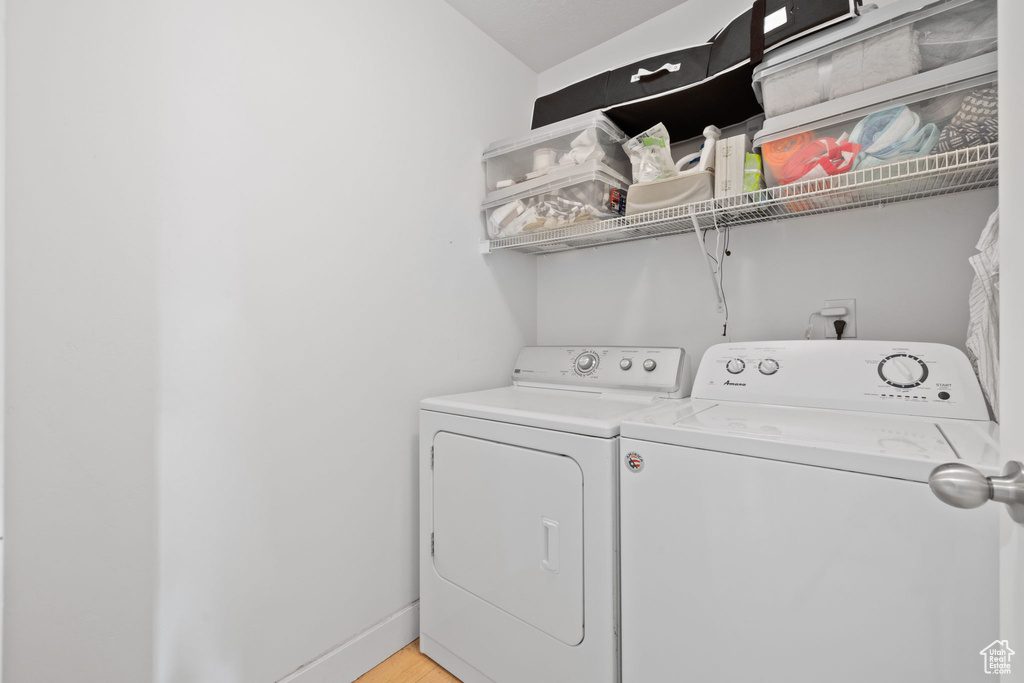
{"type": "Point", "coordinates": [965, 487]}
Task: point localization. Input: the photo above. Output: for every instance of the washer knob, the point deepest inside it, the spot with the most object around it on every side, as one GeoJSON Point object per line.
{"type": "Point", "coordinates": [586, 362]}
{"type": "Point", "coordinates": [769, 366]}
{"type": "Point", "coordinates": [650, 364]}
{"type": "Point", "coordinates": [903, 371]}
{"type": "Point", "coordinates": [625, 364]}
{"type": "Point", "coordinates": [735, 366]}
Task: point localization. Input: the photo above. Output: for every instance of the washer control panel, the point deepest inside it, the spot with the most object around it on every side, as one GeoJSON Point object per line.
{"type": "Point", "coordinates": [659, 371]}
{"type": "Point", "coordinates": [911, 378]}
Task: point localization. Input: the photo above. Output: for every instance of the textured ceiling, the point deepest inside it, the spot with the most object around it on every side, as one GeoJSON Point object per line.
{"type": "Point", "coordinates": [543, 33]}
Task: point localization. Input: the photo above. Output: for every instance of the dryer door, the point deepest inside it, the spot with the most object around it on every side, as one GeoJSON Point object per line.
{"type": "Point", "coordinates": [508, 528]}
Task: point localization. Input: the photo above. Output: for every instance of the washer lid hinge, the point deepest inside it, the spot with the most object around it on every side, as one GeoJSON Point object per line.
{"type": "Point", "coordinates": [431, 457]}
{"type": "Point", "coordinates": [431, 543]}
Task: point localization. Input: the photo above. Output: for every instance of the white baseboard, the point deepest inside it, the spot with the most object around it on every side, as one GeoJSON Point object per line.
{"type": "Point", "coordinates": [353, 658]}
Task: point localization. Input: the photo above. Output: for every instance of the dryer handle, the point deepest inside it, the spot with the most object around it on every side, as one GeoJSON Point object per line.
{"type": "Point", "coordinates": [549, 552]}
{"type": "Point", "coordinates": [965, 487]}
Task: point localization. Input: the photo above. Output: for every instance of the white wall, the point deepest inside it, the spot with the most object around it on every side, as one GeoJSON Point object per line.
{"type": "Point", "coordinates": [81, 310]}
{"type": "Point", "coordinates": [242, 246]}
{"type": "Point", "coordinates": [905, 264]}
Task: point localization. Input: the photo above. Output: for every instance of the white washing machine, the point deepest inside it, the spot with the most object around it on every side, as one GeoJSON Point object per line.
{"type": "Point", "coordinates": [779, 527]}
{"type": "Point", "coordinates": [519, 514]}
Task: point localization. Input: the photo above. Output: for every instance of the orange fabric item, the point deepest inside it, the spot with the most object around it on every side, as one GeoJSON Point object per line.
{"type": "Point", "coordinates": [777, 152]}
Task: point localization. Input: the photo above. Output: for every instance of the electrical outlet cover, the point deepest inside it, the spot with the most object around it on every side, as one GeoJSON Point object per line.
{"type": "Point", "coordinates": [851, 318]}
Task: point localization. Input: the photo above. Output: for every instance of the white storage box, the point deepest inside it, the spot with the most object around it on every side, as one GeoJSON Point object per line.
{"type": "Point", "coordinates": [571, 195]}
{"type": "Point", "coordinates": [900, 40]}
{"type": "Point", "coordinates": [586, 138]}
{"type": "Point", "coordinates": [675, 191]}
{"type": "Point", "coordinates": [948, 109]}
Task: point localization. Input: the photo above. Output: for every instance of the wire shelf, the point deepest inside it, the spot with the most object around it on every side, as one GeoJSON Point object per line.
{"type": "Point", "coordinates": [930, 176]}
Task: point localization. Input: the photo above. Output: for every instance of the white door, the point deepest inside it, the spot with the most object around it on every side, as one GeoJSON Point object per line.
{"type": "Point", "coordinates": [508, 528]}
{"type": "Point", "coordinates": [1011, 215]}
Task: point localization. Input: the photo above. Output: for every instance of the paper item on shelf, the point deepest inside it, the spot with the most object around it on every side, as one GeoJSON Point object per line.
{"type": "Point", "coordinates": [730, 161]}
{"type": "Point", "coordinates": [983, 329]}
{"type": "Point", "coordinates": [583, 148]}
{"type": "Point", "coordinates": [502, 217]}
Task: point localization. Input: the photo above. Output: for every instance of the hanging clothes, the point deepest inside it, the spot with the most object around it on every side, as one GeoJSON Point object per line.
{"type": "Point", "coordinates": [983, 329]}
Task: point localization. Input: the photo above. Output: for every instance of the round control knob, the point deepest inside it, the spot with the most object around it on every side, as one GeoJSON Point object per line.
{"type": "Point", "coordinates": [650, 364]}
{"type": "Point", "coordinates": [625, 364]}
{"type": "Point", "coordinates": [735, 366]}
{"type": "Point", "coordinates": [903, 371]}
{"type": "Point", "coordinates": [585, 363]}
{"type": "Point", "coordinates": [768, 366]}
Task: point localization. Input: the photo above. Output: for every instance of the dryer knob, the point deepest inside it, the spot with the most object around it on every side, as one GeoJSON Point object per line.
{"type": "Point", "coordinates": [650, 364]}
{"type": "Point", "coordinates": [586, 362]}
{"type": "Point", "coordinates": [625, 364]}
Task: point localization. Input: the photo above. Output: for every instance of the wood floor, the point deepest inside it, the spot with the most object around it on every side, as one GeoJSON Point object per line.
{"type": "Point", "coordinates": [408, 665]}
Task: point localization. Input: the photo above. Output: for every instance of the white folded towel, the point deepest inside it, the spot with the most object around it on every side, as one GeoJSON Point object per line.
{"type": "Point", "coordinates": [876, 61]}
{"type": "Point", "coordinates": [882, 59]}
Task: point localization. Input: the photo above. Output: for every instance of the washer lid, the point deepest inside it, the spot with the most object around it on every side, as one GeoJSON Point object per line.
{"type": "Point", "coordinates": [560, 410]}
{"type": "Point", "coordinates": [902, 447]}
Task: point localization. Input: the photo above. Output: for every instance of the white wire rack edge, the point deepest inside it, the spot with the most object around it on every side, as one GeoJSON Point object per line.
{"type": "Point", "coordinates": [937, 174]}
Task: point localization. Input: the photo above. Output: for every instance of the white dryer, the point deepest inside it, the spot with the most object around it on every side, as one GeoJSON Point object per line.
{"type": "Point", "coordinates": [519, 514]}
{"type": "Point", "coordinates": [779, 527]}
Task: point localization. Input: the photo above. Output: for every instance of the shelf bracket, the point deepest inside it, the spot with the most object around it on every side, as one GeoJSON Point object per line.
{"type": "Point", "coordinates": [715, 282]}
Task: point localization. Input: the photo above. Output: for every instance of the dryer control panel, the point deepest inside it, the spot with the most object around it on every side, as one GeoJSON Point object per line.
{"type": "Point", "coordinates": [905, 378]}
{"type": "Point", "coordinates": [648, 370]}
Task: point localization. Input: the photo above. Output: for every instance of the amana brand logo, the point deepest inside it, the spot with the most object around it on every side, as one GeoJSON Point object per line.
{"type": "Point", "coordinates": [735, 384]}
{"type": "Point", "coordinates": [634, 462]}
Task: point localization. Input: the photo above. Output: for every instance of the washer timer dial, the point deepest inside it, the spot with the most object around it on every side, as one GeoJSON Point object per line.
{"type": "Point", "coordinates": [586, 363]}
{"type": "Point", "coordinates": [903, 371]}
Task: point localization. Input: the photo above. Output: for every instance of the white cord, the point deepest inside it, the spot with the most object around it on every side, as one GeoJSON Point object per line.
{"type": "Point", "coordinates": [824, 314]}
{"type": "Point", "coordinates": [810, 325]}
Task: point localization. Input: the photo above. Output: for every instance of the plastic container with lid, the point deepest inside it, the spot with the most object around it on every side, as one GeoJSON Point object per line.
{"type": "Point", "coordinates": [571, 195]}
{"type": "Point", "coordinates": [900, 40]}
{"type": "Point", "coordinates": [590, 137]}
{"type": "Point", "coordinates": [948, 109]}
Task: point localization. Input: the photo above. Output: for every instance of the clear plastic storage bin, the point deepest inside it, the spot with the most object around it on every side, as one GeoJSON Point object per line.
{"type": "Point", "coordinates": [572, 195]}
{"type": "Point", "coordinates": [551, 149]}
{"type": "Point", "coordinates": [903, 127]}
{"type": "Point", "coordinates": [900, 40]}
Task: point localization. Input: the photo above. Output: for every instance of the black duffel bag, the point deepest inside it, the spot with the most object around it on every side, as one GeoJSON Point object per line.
{"type": "Point", "coordinates": [707, 84]}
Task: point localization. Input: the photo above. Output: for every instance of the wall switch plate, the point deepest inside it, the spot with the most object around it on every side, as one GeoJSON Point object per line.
{"type": "Point", "coordinates": [851, 318]}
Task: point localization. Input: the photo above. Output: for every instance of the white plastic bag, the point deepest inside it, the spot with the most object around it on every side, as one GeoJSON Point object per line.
{"type": "Point", "coordinates": [651, 155]}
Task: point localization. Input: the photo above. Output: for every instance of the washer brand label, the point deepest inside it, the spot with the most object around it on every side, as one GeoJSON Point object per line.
{"type": "Point", "coordinates": [735, 384]}
{"type": "Point", "coordinates": [634, 461]}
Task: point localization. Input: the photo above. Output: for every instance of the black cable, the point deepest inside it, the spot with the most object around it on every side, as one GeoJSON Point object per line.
{"type": "Point", "coordinates": [721, 283]}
